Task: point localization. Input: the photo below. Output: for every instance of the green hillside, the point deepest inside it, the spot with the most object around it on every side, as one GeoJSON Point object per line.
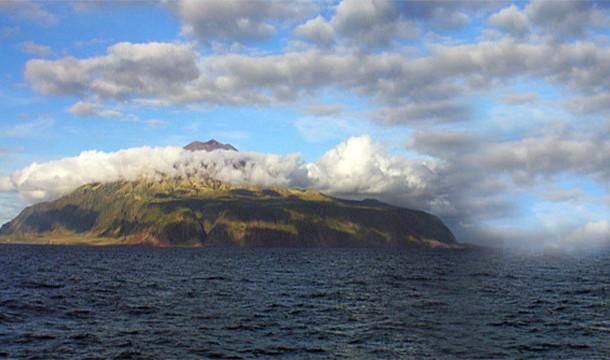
{"type": "Point", "coordinates": [206, 212]}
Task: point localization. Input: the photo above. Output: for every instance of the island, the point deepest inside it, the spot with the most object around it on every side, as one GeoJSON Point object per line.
{"type": "Point", "coordinates": [200, 212]}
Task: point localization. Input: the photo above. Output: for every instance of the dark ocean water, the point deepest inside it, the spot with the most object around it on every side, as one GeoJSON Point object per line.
{"type": "Point", "coordinates": [148, 303]}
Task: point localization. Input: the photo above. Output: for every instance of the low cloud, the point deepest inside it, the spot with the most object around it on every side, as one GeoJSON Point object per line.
{"type": "Point", "coordinates": [481, 178]}
{"type": "Point", "coordinates": [358, 167]}
{"type": "Point", "coordinates": [463, 195]}
{"type": "Point", "coordinates": [589, 236]}
{"type": "Point", "coordinates": [6, 184]}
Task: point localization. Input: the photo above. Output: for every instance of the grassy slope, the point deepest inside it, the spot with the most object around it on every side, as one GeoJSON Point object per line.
{"type": "Point", "coordinates": [194, 212]}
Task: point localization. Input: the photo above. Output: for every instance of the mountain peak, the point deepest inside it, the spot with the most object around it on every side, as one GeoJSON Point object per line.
{"type": "Point", "coordinates": [209, 145]}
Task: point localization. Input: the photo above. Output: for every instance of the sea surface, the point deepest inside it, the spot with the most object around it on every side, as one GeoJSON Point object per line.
{"type": "Point", "coordinates": [61, 302]}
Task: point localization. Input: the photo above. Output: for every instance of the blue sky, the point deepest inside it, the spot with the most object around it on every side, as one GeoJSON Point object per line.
{"type": "Point", "coordinates": [493, 116]}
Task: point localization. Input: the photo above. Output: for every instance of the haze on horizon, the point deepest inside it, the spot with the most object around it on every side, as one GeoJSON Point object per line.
{"type": "Point", "coordinates": [492, 115]}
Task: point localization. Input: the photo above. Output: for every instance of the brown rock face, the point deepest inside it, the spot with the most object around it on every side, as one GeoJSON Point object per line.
{"type": "Point", "coordinates": [210, 145]}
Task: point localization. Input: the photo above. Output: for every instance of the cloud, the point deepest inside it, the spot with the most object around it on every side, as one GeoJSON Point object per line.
{"type": "Point", "coordinates": [591, 235]}
{"type": "Point", "coordinates": [443, 14]}
{"type": "Point", "coordinates": [320, 109]}
{"type": "Point", "coordinates": [444, 144]}
{"type": "Point", "coordinates": [360, 168]}
{"type": "Point", "coordinates": [356, 168]}
{"type": "Point", "coordinates": [466, 196]}
{"type": "Point", "coordinates": [568, 17]}
{"type": "Point", "coordinates": [85, 109]}
{"type": "Point", "coordinates": [372, 22]}
{"type": "Point", "coordinates": [510, 19]}
{"type": "Point", "coordinates": [30, 47]}
{"type": "Point", "coordinates": [382, 23]}
{"type": "Point", "coordinates": [441, 111]}
{"type": "Point", "coordinates": [554, 18]}
{"type": "Point", "coordinates": [92, 5]}
{"type": "Point", "coordinates": [317, 30]}
{"type": "Point", "coordinates": [28, 10]}
{"type": "Point", "coordinates": [236, 21]}
{"type": "Point", "coordinates": [590, 104]}
{"type": "Point", "coordinates": [519, 98]}
{"type": "Point", "coordinates": [526, 160]}
{"type": "Point", "coordinates": [482, 177]}
{"type": "Point", "coordinates": [408, 86]}
{"type": "Point", "coordinates": [6, 184]}
{"type": "Point", "coordinates": [151, 69]}
{"type": "Point", "coordinates": [561, 195]}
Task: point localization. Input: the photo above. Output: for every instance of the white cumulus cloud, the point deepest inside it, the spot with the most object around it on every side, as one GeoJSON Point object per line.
{"type": "Point", "coordinates": [356, 168]}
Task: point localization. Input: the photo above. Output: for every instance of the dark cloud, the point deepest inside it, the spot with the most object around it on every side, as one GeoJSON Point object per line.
{"type": "Point", "coordinates": [428, 111]}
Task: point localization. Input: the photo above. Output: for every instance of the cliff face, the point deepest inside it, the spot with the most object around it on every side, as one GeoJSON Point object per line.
{"type": "Point", "coordinates": [196, 212]}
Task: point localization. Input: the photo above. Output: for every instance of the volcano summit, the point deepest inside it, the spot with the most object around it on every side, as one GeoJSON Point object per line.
{"type": "Point", "coordinates": [201, 211]}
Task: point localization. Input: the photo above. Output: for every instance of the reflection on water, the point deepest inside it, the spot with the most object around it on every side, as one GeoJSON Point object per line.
{"type": "Point", "coordinates": [151, 303]}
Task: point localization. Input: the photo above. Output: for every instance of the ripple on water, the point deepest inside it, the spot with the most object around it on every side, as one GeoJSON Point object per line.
{"type": "Point", "coordinates": [149, 303]}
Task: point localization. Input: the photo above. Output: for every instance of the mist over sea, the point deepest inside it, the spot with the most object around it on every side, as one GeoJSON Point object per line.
{"type": "Point", "coordinates": [65, 302]}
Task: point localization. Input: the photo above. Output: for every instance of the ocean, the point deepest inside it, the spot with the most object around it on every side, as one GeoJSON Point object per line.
{"type": "Point", "coordinates": [62, 302]}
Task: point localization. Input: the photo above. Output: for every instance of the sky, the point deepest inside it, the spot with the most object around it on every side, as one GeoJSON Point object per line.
{"type": "Point", "coordinates": [494, 116]}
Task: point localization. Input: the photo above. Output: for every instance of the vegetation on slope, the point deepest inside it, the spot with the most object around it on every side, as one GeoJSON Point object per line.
{"type": "Point", "coordinates": [206, 212]}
